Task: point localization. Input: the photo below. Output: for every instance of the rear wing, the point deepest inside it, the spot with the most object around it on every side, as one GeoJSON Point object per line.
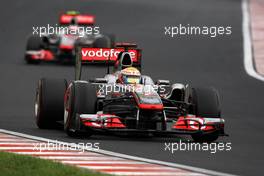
{"type": "Point", "coordinates": [81, 19]}
{"type": "Point", "coordinates": [109, 56]}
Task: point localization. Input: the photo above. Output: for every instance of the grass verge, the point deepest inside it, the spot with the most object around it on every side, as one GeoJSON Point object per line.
{"type": "Point", "coordinates": [21, 165]}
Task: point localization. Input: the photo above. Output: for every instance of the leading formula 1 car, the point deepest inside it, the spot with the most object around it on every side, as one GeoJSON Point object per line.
{"type": "Point", "coordinates": [59, 44]}
{"type": "Point", "coordinates": [126, 101]}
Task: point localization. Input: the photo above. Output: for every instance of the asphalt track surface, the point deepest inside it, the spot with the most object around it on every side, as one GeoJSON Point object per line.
{"type": "Point", "coordinates": [196, 60]}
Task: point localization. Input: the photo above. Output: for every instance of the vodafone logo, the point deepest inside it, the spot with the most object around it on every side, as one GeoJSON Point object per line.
{"type": "Point", "coordinates": [102, 54]}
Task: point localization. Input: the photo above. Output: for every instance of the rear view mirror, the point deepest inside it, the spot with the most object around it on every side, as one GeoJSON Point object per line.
{"type": "Point", "coordinates": [162, 82]}
{"type": "Point", "coordinates": [98, 80]}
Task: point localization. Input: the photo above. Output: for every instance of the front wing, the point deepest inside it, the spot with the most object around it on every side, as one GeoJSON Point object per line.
{"type": "Point", "coordinates": [188, 125]}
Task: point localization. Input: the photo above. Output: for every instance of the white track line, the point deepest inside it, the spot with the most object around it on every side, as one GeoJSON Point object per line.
{"type": "Point", "coordinates": [155, 173]}
{"type": "Point", "coordinates": [248, 56]}
{"type": "Point", "coordinates": [102, 162]}
{"type": "Point", "coordinates": [129, 168]}
{"type": "Point", "coordinates": [85, 158]}
{"type": "Point", "coordinates": [179, 166]}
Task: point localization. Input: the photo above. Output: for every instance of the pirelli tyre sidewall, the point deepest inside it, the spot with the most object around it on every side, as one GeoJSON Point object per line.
{"type": "Point", "coordinates": [81, 99]}
{"type": "Point", "coordinates": [207, 104]}
{"type": "Point", "coordinates": [49, 102]}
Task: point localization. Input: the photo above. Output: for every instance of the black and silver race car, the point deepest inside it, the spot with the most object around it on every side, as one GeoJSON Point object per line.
{"type": "Point", "coordinates": [125, 101]}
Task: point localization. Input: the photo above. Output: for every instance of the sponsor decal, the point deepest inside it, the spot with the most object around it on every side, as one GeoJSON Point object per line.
{"type": "Point", "coordinates": [102, 54]}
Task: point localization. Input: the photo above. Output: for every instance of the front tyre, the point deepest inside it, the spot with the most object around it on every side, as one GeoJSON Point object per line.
{"type": "Point", "coordinates": [208, 138]}
{"type": "Point", "coordinates": [81, 99]}
{"type": "Point", "coordinates": [207, 104]}
{"type": "Point", "coordinates": [49, 102]}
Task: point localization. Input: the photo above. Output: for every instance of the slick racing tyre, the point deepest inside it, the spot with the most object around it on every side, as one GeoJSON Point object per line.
{"type": "Point", "coordinates": [81, 98]}
{"type": "Point", "coordinates": [207, 104]}
{"type": "Point", "coordinates": [34, 43]}
{"type": "Point", "coordinates": [112, 38]}
{"type": "Point", "coordinates": [106, 41]}
{"type": "Point", "coordinates": [49, 102]}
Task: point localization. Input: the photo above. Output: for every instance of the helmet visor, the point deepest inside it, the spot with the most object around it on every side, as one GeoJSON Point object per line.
{"type": "Point", "coordinates": [131, 79]}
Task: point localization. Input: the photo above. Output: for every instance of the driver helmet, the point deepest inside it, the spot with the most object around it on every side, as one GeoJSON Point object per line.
{"type": "Point", "coordinates": [130, 75]}
{"type": "Point", "coordinates": [73, 21]}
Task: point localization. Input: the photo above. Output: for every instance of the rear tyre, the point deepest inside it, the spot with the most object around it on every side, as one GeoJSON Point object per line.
{"type": "Point", "coordinates": [112, 38]}
{"type": "Point", "coordinates": [207, 104]}
{"type": "Point", "coordinates": [34, 43]}
{"type": "Point", "coordinates": [82, 99]}
{"type": "Point", "coordinates": [107, 41]}
{"type": "Point", "coordinates": [49, 103]}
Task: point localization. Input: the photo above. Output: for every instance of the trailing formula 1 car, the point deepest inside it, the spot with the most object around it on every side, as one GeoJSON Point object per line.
{"type": "Point", "coordinates": [60, 43]}
{"type": "Point", "coordinates": [125, 101]}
